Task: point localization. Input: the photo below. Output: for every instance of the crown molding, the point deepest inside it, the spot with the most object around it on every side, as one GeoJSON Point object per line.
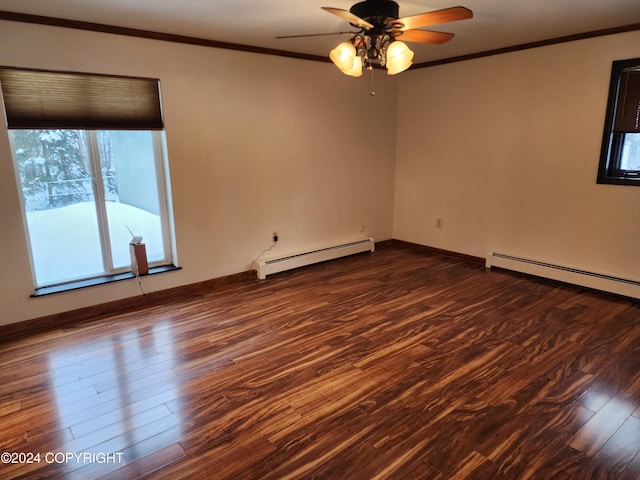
{"type": "Point", "coordinates": [526, 46]}
{"type": "Point", "coordinates": [168, 37]}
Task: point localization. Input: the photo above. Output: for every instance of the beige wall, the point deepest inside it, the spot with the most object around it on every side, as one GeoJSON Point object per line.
{"type": "Point", "coordinates": [505, 151]}
{"type": "Point", "coordinates": [256, 143]}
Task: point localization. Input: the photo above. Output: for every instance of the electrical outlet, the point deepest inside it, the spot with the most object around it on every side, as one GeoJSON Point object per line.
{"type": "Point", "coordinates": [362, 228]}
{"type": "Point", "coordinates": [275, 236]}
{"type": "Point", "coordinates": [438, 223]}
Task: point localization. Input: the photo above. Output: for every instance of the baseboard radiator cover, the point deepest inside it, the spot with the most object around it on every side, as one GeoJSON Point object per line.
{"type": "Point", "coordinates": [583, 278]}
{"type": "Point", "coordinates": [317, 255]}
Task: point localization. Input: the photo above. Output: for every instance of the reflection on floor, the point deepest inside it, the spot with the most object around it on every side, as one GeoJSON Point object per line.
{"type": "Point", "coordinates": [396, 364]}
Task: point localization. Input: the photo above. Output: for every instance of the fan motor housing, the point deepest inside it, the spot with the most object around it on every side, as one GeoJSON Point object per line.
{"type": "Point", "coordinates": [376, 11]}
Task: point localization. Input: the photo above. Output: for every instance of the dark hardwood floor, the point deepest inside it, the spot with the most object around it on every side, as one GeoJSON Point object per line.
{"type": "Point", "coordinates": [398, 364]}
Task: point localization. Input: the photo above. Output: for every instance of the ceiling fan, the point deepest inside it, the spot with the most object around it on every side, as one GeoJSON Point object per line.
{"type": "Point", "coordinates": [382, 33]}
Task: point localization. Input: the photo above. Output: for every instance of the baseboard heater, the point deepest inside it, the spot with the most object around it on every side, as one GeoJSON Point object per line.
{"type": "Point", "coordinates": [598, 281]}
{"type": "Point", "coordinates": [309, 257]}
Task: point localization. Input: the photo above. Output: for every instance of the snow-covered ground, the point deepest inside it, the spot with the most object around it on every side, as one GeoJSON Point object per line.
{"type": "Point", "coordinates": [65, 241]}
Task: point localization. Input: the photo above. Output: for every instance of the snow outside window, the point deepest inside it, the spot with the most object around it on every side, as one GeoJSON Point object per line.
{"type": "Point", "coordinates": [83, 192]}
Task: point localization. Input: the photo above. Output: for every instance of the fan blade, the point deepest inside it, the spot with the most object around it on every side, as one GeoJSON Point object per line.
{"type": "Point", "coordinates": [349, 17]}
{"type": "Point", "coordinates": [317, 34]}
{"type": "Point", "coordinates": [433, 18]}
{"type": "Point", "coordinates": [424, 36]}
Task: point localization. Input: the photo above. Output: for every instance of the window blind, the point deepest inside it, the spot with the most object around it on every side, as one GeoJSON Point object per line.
{"type": "Point", "coordinates": [627, 118]}
{"type": "Point", "coordinates": [38, 99]}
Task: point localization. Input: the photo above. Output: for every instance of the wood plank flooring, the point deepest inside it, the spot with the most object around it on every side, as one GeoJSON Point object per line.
{"type": "Point", "coordinates": [398, 364]}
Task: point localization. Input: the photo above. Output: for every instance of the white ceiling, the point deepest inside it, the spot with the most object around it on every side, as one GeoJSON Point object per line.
{"type": "Point", "coordinates": [496, 23]}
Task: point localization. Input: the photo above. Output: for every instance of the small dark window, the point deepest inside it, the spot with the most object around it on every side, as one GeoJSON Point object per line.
{"type": "Point", "coordinates": [620, 153]}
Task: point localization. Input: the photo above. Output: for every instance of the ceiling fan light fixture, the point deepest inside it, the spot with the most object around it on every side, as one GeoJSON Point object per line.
{"type": "Point", "coordinates": [356, 68]}
{"type": "Point", "coordinates": [343, 56]}
{"type": "Point", "coordinates": [399, 57]}
{"type": "Point", "coordinates": [380, 24]}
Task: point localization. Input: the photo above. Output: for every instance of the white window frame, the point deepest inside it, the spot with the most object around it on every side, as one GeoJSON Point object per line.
{"type": "Point", "coordinates": [161, 165]}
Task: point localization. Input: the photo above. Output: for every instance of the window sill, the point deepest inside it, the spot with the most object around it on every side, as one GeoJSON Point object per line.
{"type": "Point", "coordinates": [619, 180]}
{"type": "Point", "coordinates": [91, 282]}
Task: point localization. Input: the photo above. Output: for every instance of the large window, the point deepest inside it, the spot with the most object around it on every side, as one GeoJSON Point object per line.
{"type": "Point", "coordinates": [90, 177]}
{"type": "Point", "coordinates": [620, 154]}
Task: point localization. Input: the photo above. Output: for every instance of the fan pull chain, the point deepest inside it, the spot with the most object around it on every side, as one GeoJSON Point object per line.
{"type": "Point", "coordinates": [373, 90]}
